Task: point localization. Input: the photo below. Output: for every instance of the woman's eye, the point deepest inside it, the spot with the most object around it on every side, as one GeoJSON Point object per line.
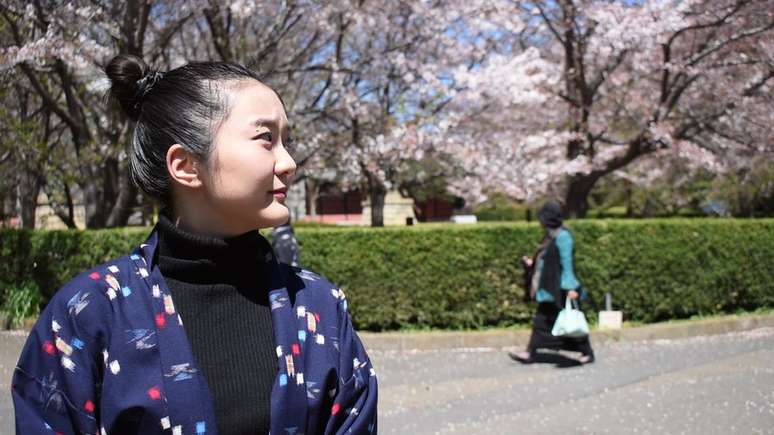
{"type": "Point", "coordinates": [264, 136]}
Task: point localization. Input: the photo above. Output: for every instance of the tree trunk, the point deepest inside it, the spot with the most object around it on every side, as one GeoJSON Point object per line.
{"type": "Point", "coordinates": [376, 193]}
{"type": "Point", "coordinates": [105, 201]}
{"type": "Point", "coordinates": [66, 212]}
{"type": "Point", "coordinates": [27, 191]}
{"type": "Point", "coordinates": [92, 203]}
{"type": "Point", "coordinates": [311, 197]}
{"type": "Point", "coordinates": [577, 198]}
{"type": "Point", "coordinates": [127, 199]}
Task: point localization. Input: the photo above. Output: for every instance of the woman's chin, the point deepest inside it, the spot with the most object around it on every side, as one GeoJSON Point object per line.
{"type": "Point", "coordinates": [274, 215]}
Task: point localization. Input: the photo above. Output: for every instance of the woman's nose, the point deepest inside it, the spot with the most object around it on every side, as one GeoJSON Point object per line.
{"type": "Point", "coordinates": [285, 165]}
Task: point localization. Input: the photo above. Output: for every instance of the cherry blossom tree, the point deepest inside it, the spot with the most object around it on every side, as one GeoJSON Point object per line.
{"type": "Point", "coordinates": [527, 98]}
{"type": "Point", "coordinates": [22, 153]}
{"type": "Point", "coordinates": [596, 86]}
{"type": "Point", "coordinates": [387, 81]}
{"type": "Point", "coordinates": [56, 51]}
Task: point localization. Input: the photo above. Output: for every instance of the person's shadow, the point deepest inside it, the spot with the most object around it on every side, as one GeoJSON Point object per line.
{"type": "Point", "coordinates": [559, 360]}
{"type": "Point", "coordinates": [556, 358]}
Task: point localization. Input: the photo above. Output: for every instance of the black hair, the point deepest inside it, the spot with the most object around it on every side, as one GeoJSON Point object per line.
{"type": "Point", "coordinates": [183, 106]}
{"type": "Point", "coordinates": [550, 214]}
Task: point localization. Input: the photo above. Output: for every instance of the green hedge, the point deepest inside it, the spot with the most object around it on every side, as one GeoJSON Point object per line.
{"type": "Point", "coordinates": [50, 258]}
{"type": "Point", "coordinates": [468, 276]}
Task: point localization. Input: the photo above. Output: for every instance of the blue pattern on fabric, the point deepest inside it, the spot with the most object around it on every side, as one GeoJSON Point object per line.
{"type": "Point", "coordinates": [76, 343]}
{"type": "Point", "coordinates": [149, 366]}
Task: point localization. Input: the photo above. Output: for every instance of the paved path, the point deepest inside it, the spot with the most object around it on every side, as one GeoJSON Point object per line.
{"type": "Point", "coordinates": [10, 347]}
{"type": "Point", "coordinates": [720, 384]}
{"type": "Point", "coordinates": [702, 385]}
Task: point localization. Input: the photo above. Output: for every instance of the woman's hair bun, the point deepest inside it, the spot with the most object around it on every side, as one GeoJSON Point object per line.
{"type": "Point", "coordinates": [130, 79]}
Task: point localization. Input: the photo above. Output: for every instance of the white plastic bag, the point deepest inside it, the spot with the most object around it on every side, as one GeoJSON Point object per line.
{"type": "Point", "coordinates": [570, 322]}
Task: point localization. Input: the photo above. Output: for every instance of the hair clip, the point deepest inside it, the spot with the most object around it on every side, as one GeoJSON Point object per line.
{"type": "Point", "coordinates": [144, 86]}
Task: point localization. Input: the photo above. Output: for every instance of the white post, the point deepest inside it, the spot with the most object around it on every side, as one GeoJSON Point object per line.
{"type": "Point", "coordinates": [610, 319]}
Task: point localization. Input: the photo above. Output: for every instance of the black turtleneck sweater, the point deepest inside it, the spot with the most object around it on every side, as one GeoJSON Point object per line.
{"type": "Point", "coordinates": [220, 291]}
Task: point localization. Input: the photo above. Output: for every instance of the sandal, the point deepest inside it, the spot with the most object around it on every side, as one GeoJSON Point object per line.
{"type": "Point", "coordinates": [523, 357]}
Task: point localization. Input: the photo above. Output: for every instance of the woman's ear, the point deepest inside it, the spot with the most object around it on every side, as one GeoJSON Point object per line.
{"type": "Point", "coordinates": [183, 167]}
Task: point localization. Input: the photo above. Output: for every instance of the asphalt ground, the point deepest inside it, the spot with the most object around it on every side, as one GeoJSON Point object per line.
{"type": "Point", "coordinates": [721, 384]}
{"type": "Point", "coordinates": [715, 384]}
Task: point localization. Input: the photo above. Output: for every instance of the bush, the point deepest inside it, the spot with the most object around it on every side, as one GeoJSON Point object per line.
{"type": "Point", "coordinates": [469, 276]}
{"type": "Point", "coordinates": [442, 276]}
{"type": "Point", "coordinates": [21, 303]}
{"type": "Point", "coordinates": [51, 258]}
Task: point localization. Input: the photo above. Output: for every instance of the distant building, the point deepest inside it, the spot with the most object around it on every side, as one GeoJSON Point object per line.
{"type": "Point", "coordinates": [46, 218]}
{"type": "Point", "coordinates": [332, 205]}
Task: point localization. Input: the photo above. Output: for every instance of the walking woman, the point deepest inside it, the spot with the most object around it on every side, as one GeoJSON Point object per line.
{"type": "Point", "coordinates": [199, 330]}
{"type": "Point", "coordinates": [550, 278]}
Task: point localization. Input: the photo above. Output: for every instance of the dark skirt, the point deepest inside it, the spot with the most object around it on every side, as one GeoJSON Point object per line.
{"type": "Point", "coordinates": [541, 338]}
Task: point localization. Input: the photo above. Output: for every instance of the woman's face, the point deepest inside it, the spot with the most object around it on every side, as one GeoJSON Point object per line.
{"type": "Point", "coordinates": [248, 172]}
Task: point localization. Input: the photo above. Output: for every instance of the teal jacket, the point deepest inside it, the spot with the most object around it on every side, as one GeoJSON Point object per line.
{"type": "Point", "coordinates": [564, 244]}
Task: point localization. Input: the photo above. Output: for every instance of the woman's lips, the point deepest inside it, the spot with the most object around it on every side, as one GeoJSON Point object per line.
{"type": "Point", "coordinates": [280, 193]}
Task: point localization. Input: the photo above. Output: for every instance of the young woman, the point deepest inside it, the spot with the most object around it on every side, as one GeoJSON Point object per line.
{"type": "Point", "coordinates": [199, 330]}
{"type": "Point", "coordinates": [550, 279]}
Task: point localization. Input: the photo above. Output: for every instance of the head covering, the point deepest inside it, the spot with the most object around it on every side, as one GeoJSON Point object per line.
{"type": "Point", "coordinates": [550, 214]}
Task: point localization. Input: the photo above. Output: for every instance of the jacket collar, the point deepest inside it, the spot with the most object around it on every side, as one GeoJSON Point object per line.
{"type": "Point", "coordinates": [289, 397]}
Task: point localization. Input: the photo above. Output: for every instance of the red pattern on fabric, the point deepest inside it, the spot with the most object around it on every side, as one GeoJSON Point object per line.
{"type": "Point", "coordinates": [94, 275]}
{"type": "Point", "coordinates": [154, 393]}
{"type": "Point", "coordinates": [161, 320]}
{"type": "Point", "coordinates": [49, 348]}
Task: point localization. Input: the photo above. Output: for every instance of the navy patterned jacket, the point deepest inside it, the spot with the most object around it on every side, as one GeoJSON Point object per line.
{"type": "Point", "coordinates": [109, 355]}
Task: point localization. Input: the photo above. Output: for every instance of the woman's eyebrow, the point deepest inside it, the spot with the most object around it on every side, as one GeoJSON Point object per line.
{"type": "Point", "coordinates": [262, 122]}
{"type": "Point", "coordinates": [271, 122]}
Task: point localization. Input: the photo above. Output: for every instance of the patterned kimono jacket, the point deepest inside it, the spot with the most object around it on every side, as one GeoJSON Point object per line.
{"type": "Point", "coordinates": [109, 355]}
